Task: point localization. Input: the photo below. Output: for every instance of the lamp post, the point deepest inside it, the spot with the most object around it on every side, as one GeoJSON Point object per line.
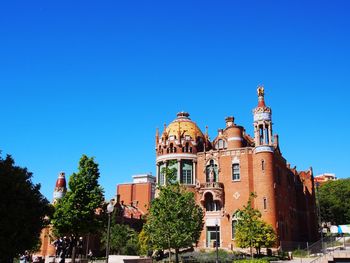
{"type": "Point", "coordinates": [110, 208]}
{"type": "Point", "coordinates": [217, 240]}
{"type": "Point", "coordinates": [319, 215]}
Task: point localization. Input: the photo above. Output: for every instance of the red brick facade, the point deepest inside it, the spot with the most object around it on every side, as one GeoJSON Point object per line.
{"type": "Point", "coordinates": [139, 193]}
{"type": "Point", "coordinates": [222, 173]}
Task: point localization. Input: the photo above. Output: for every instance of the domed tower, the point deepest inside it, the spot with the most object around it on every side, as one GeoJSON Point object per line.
{"type": "Point", "coordinates": [263, 160]}
{"type": "Point", "coordinates": [177, 147]}
{"type": "Point", "coordinates": [60, 187]}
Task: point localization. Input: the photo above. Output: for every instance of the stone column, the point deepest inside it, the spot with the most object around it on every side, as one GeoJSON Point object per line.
{"type": "Point", "coordinates": [157, 173]}
{"type": "Point", "coordinates": [178, 169]}
{"type": "Point", "coordinates": [270, 134]}
{"type": "Point", "coordinates": [194, 177]}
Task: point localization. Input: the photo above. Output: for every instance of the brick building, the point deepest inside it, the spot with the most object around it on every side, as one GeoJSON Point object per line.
{"type": "Point", "coordinates": [223, 172]}
{"type": "Point", "coordinates": [139, 193]}
{"type": "Point", "coordinates": [323, 178]}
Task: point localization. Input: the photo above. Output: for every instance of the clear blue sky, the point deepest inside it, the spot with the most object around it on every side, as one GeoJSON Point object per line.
{"type": "Point", "coordinates": [98, 77]}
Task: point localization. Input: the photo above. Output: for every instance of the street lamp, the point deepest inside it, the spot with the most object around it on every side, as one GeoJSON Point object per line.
{"type": "Point", "coordinates": [319, 215]}
{"type": "Point", "coordinates": [110, 208]}
{"type": "Point", "coordinates": [217, 240]}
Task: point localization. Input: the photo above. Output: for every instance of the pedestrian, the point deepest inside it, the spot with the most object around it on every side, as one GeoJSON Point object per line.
{"type": "Point", "coordinates": [22, 258]}
{"type": "Point", "coordinates": [90, 255]}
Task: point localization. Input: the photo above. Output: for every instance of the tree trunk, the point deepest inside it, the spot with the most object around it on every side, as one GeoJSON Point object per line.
{"type": "Point", "coordinates": [176, 255]}
{"type": "Point", "coordinates": [169, 254]}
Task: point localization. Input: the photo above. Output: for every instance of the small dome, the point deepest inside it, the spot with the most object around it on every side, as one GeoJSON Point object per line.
{"type": "Point", "coordinates": [186, 126]}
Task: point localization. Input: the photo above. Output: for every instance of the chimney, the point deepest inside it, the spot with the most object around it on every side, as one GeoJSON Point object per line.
{"type": "Point", "coordinates": [229, 121]}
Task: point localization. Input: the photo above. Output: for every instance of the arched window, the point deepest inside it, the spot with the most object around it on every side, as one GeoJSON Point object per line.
{"type": "Point", "coordinates": [221, 144]}
{"type": "Point", "coordinates": [261, 134]}
{"type": "Point", "coordinates": [265, 203]}
{"type": "Point", "coordinates": [212, 172]}
{"type": "Point", "coordinates": [210, 204]}
{"type": "Point", "coordinates": [172, 148]}
{"type": "Point", "coordinates": [234, 222]}
{"type": "Point", "coordinates": [187, 147]}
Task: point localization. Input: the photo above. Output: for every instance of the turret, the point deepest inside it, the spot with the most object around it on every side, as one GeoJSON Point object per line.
{"type": "Point", "coordinates": [262, 121]}
{"type": "Point", "coordinates": [234, 133]}
{"type": "Point", "coordinates": [60, 187]}
{"type": "Point", "coordinates": [263, 160]}
{"type": "Point", "coordinates": [180, 141]}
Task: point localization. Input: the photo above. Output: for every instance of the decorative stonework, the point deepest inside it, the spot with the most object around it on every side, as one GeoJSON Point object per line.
{"type": "Point", "coordinates": [236, 195]}
{"type": "Point", "coordinates": [260, 149]}
{"type": "Point", "coordinates": [262, 116]}
{"type": "Point", "coordinates": [215, 188]}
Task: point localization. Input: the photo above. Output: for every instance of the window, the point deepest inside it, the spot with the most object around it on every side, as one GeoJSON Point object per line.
{"type": "Point", "coordinates": [235, 172]}
{"type": "Point", "coordinates": [234, 224]}
{"type": "Point", "coordinates": [212, 172]}
{"type": "Point", "coordinates": [210, 204]}
{"type": "Point", "coordinates": [235, 218]}
{"type": "Point", "coordinates": [187, 148]}
{"type": "Point", "coordinates": [172, 165]}
{"type": "Point", "coordinates": [172, 149]}
{"type": "Point", "coordinates": [265, 203]}
{"type": "Point", "coordinates": [221, 144]}
{"type": "Point", "coordinates": [186, 173]}
{"type": "Point", "coordinates": [161, 175]}
{"type": "Point", "coordinates": [263, 165]}
{"type": "Point", "coordinates": [261, 134]}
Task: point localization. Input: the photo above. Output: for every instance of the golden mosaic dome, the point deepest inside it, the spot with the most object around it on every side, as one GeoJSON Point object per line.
{"type": "Point", "coordinates": [186, 126]}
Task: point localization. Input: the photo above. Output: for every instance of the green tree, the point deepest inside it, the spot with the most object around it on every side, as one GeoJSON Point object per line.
{"type": "Point", "coordinates": [144, 243]}
{"type": "Point", "coordinates": [334, 202]}
{"type": "Point", "coordinates": [123, 240]}
{"type": "Point", "coordinates": [251, 231]}
{"type": "Point", "coordinates": [75, 213]}
{"type": "Point", "coordinates": [23, 210]}
{"type": "Point", "coordinates": [175, 220]}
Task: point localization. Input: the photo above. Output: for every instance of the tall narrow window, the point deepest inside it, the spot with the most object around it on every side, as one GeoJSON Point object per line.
{"type": "Point", "coordinates": [234, 223]}
{"type": "Point", "coordinates": [265, 203]}
{"type": "Point", "coordinates": [161, 175]}
{"type": "Point", "coordinates": [261, 134]}
{"type": "Point", "coordinates": [235, 172]}
{"type": "Point", "coordinates": [186, 173]}
{"type": "Point", "coordinates": [235, 218]}
{"type": "Point", "coordinates": [267, 135]}
{"type": "Point", "coordinates": [263, 165]}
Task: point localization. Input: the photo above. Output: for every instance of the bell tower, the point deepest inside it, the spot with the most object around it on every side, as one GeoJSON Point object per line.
{"type": "Point", "coordinates": [263, 161]}
{"type": "Point", "coordinates": [262, 121]}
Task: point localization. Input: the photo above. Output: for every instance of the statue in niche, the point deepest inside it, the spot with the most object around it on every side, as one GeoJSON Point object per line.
{"type": "Point", "coordinates": [211, 175]}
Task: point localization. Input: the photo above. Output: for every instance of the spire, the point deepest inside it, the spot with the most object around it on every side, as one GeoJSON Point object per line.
{"type": "Point", "coordinates": [164, 134]}
{"type": "Point", "coordinates": [261, 93]}
{"type": "Point", "coordinates": [157, 135]}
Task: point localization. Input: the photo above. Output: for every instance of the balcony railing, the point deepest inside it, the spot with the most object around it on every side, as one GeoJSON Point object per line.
{"type": "Point", "coordinates": [209, 185]}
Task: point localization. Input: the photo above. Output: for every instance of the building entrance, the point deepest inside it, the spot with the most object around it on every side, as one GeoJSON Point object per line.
{"type": "Point", "coordinates": [211, 236]}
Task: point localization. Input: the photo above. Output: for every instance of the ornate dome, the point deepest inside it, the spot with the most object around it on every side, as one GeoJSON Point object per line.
{"type": "Point", "coordinates": [183, 125]}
